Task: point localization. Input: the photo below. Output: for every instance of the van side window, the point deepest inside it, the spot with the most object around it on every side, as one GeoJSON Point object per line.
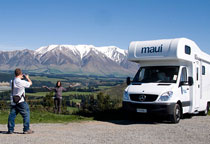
{"type": "Point", "coordinates": [187, 50]}
{"type": "Point", "coordinates": [203, 70]}
{"type": "Point", "coordinates": [197, 74]}
{"type": "Point", "coordinates": [184, 75]}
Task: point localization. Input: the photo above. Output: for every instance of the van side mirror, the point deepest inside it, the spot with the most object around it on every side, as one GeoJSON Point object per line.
{"type": "Point", "coordinates": [128, 80]}
{"type": "Point", "coordinates": [190, 81]}
{"type": "Point", "coordinates": [183, 83]}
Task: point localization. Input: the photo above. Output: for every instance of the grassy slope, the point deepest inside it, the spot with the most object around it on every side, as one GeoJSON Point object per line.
{"type": "Point", "coordinates": [44, 78]}
{"type": "Point", "coordinates": [44, 117]}
{"type": "Point", "coordinates": [64, 93]}
{"type": "Point", "coordinates": [116, 92]}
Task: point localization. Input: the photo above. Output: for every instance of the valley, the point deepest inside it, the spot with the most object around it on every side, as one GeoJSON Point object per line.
{"type": "Point", "coordinates": [88, 86]}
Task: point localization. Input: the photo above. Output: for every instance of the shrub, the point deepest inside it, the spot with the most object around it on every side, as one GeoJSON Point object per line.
{"type": "Point", "coordinates": [3, 105]}
{"type": "Point", "coordinates": [102, 103]}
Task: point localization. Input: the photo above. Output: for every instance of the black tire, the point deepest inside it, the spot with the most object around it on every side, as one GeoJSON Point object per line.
{"type": "Point", "coordinates": [177, 114]}
{"type": "Point", "coordinates": [188, 116]}
{"type": "Point", "coordinates": [205, 113]}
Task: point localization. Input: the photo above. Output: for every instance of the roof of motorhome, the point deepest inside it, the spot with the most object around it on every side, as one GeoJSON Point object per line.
{"type": "Point", "coordinates": [165, 49]}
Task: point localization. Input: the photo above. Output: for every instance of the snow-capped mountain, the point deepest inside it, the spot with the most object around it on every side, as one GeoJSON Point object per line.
{"type": "Point", "coordinates": [80, 59]}
{"type": "Point", "coordinates": [112, 52]}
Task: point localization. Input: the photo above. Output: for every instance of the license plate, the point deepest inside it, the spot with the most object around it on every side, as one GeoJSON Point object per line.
{"type": "Point", "coordinates": [141, 110]}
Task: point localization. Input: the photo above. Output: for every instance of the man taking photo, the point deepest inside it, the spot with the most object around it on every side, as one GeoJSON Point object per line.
{"type": "Point", "coordinates": [18, 103]}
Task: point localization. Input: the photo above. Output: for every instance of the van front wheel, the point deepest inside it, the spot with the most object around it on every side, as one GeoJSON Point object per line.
{"type": "Point", "coordinates": [176, 116]}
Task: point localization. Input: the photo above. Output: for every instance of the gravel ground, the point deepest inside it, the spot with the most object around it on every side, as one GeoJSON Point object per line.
{"type": "Point", "coordinates": [189, 131]}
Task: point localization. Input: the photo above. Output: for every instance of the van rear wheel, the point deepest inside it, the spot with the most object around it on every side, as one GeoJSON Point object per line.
{"type": "Point", "coordinates": [176, 116]}
{"type": "Point", "coordinates": [205, 113]}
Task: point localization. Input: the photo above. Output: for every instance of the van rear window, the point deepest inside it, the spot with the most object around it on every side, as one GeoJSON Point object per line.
{"type": "Point", "coordinates": [187, 50]}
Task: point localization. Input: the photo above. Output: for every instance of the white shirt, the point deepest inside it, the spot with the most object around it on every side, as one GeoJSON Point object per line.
{"type": "Point", "coordinates": [19, 89]}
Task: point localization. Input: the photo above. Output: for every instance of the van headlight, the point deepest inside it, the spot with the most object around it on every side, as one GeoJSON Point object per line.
{"type": "Point", "coordinates": [125, 95]}
{"type": "Point", "coordinates": [166, 96]}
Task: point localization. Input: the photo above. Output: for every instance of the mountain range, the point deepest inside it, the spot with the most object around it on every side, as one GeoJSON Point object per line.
{"type": "Point", "coordinates": [72, 59]}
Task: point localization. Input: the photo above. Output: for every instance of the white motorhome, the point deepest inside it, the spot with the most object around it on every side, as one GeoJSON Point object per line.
{"type": "Point", "coordinates": [173, 78]}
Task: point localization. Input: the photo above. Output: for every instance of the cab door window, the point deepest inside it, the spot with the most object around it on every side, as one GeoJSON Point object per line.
{"type": "Point", "coordinates": [184, 75]}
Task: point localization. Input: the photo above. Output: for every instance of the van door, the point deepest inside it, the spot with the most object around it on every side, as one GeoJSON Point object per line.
{"type": "Point", "coordinates": [185, 90]}
{"type": "Point", "coordinates": [197, 85]}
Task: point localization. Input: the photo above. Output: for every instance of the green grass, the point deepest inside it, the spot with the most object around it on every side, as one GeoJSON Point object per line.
{"type": "Point", "coordinates": [44, 78]}
{"type": "Point", "coordinates": [44, 117]}
{"type": "Point", "coordinates": [37, 94]}
{"type": "Point", "coordinates": [64, 93]}
{"type": "Point", "coordinates": [77, 100]}
{"type": "Point", "coordinates": [104, 87]}
{"type": "Point", "coordinates": [72, 109]}
{"type": "Point", "coordinates": [77, 93]}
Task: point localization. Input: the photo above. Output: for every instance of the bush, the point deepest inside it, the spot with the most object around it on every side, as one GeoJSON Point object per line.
{"type": "Point", "coordinates": [3, 105]}
{"type": "Point", "coordinates": [47, 104]}
{"type": "Point", "coordinates": [103, 103]}
{"type": "Point", "coordinates": [48, 100]}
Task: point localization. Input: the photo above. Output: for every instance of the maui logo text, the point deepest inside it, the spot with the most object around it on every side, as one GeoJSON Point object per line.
{"type": "Point", "coordinates": [152, 49]}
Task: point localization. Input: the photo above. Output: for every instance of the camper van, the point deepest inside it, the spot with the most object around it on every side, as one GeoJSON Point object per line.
{"type": "Point", "coordinates": [173, 78]}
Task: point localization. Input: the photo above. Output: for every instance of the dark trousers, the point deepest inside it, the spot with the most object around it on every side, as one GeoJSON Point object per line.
{"type": "Point", "coordinates": [58, 103]}
{"type": "Point", "coordinates": [23, 109]}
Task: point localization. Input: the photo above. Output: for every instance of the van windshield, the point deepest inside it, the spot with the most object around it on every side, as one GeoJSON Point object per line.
{"type": "Point", "coordinates": [157, 74]}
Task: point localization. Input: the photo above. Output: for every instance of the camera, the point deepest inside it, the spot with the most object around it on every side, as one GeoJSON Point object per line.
{"type": "Point", "coordinates": [24, 76]}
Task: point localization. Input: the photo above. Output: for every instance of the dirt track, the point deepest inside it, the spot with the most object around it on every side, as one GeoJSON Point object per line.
{"type": "Point", "coordinates": [189, 131]}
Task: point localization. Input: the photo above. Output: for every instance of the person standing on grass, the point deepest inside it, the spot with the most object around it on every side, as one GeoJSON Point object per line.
{"type": "Point", "coordinates": [18, 103]}
{"type": "Point", "coordinates": [58, 89]}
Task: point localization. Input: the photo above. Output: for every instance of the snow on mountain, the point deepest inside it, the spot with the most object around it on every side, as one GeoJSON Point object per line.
{"type": "Point", "coordinates": [44, 49]}
{"type": "Point", "coordinates": [81, 50]}
{"type": "Point", "coordinates": [114, 53]}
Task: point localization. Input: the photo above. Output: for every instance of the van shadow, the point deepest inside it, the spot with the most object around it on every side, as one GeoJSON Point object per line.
{"type": "Point", "coordinates": [137, 121]}
{"type": "Point", "coordinates": [144, 119]}
{"type": "Point", "coordinates": [120, 118]}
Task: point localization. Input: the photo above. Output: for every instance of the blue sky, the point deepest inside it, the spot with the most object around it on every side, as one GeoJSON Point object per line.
{"type": "Point", "coordinates": [34, 23]}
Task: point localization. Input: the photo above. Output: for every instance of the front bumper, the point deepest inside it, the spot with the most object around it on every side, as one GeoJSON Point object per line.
{"type": "Point", "coordinates": [156, 108]}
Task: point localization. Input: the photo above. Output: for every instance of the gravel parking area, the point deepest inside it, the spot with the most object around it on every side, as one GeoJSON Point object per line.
{"type": "Point", "coordinates": [189, 131]}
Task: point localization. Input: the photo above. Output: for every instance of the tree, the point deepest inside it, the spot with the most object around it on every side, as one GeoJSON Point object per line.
{"type": "Point", "coordinates": [48, 101]}
{"type": "Point", "coordinates": [104, 102]}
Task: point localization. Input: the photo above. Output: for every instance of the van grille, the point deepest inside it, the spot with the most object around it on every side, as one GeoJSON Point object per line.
{"type": "Point", "coordinates": [143, 97]}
